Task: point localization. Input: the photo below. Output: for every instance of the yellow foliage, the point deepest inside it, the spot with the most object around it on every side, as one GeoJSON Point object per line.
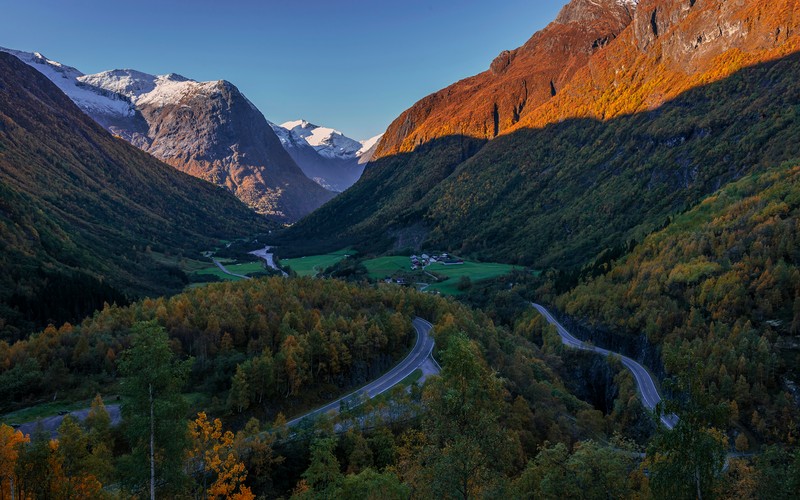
{"type": "Point", "coordinates": [215, 449]}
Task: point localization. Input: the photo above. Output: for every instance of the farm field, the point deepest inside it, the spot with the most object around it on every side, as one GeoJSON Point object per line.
{"type": "Point", "coordinates": [382, 267]}
{"type": "Point", "coordinates": [246, 269]}
{"type": "Point", "coordinates": [314, 264]}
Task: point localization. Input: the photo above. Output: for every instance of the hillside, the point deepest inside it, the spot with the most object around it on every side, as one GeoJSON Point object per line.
{"type": "Point", "coordinates": [636, 128]}
{"type": "Point", "coordinates": [207, 129]}
{"type": "Point", "coordinates": [719, 284]}
{"type": "Point", "coordinates": [77, 224]}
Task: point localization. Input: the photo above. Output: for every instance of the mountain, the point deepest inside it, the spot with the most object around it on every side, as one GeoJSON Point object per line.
{"type": "Point", "coordinates": [83, 214]}
{"type": "Point", "coordinates": [207, 129]}
{"type": "Point", "coordinates": [613, 117]}
{"type": "Point", "coordinates": [325, 155]}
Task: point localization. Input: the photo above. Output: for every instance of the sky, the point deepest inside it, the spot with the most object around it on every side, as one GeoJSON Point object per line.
{"type": "Point", "coordinates": [353, 65]}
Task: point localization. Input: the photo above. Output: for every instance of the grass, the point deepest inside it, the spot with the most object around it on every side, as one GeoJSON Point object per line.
{"type": "Point", "coordinates": [381, 267]}
{"type": "Point", "coordinates": [386, 266]}
{"type": "Point", "coordinates": [412, 378]}
{"type": "Point", "coordinates": [215, 271]}
{"type": "Point", "coordinates": [245, 269]}
{"type": "Point", "coordinates": [314, 264]}
{"type": "Point", "coordinates": [186, 264]}
{"type": "Point", "coordinates": [476, 271]}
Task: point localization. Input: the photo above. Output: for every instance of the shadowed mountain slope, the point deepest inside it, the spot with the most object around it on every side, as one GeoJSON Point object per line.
{"type": "Point", "coordinates": [639, 131]}
{"type": "Point", "coordinates": [80, 210]}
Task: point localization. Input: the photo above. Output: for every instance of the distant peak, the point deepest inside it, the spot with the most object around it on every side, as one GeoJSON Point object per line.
{"type": "Point", "coordinates": [582, 11]}
{"type": "Point", "coordinates": [174, 77]}
{"type": "Point", "coordinates": [298, 123]}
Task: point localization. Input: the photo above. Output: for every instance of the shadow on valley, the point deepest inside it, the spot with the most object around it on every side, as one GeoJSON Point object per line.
{"type": "Point", "coordinates": [561, 196]}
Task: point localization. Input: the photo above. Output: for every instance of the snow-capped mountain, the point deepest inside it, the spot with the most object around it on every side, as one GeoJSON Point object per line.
{"type": "Point", "coordinates": [368, 147]}
{"type": "Point", "coordinates": [325, 155]}
{"type": "Point", "coordinates": [327, 142]}
{"type": "Point", "coordinates": [67, 78]}
{"type": "Point", "coordinates": [207, 129]}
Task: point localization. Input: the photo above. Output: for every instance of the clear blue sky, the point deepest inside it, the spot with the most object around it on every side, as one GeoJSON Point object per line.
{"type": "Point", "coordinates": [349, 64]}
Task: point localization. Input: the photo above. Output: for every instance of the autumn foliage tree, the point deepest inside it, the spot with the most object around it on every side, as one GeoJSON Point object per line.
{"type": "Point", "coordinates": [10, 442]}
{"type": "Point", "coordinates": [214, 454]}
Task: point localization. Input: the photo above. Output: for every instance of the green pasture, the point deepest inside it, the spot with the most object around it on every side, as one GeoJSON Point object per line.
{"type": "Point", "coordinates": [315, 264]}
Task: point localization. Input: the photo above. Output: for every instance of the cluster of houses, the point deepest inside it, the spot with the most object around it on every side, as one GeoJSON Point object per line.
{"type": "Point", "coordinates": [424, 260]}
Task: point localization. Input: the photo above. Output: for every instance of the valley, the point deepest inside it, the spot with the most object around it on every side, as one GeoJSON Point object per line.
{"type": "Point", "coordinates": [573, 274]}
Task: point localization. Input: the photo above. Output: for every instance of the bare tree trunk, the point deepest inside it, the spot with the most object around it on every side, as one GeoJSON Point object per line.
{"type": "Point", "coordinates": [697, 483]}
{"type": "Point", "coordinates": [152, 449]}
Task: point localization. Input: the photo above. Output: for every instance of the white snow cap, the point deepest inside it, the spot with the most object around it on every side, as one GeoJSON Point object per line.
{"type": "Point", "coordinates": [328, 142]}
{"type": "Point", "coordinates": [367, 144]}
{"type": "Point", "coordinates": [142, 88]}
{"type": "Point", "coordinates": [67, 79]}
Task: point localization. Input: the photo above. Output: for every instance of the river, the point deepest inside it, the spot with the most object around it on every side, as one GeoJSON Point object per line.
{"type": "Point", "coordinates": [268, 256]}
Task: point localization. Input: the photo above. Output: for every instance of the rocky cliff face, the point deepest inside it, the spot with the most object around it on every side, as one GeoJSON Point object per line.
{"type": "Point", "coordinates": [210, 130]}
{"type": "Point", "coordinates": [670, 47]}
{"type": "Point", "coordinates": [613, 117]}
{"type": "Point", "coordinates": [517, 82]}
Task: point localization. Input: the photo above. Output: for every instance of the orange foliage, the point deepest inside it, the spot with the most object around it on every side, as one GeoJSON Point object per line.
{"type": "Point", "coordinates": [215, 450]}
{"type": "Point", "coordinates": [10, 442]}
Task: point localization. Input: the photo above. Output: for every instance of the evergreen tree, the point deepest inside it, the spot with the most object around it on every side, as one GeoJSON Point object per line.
{"type": "Point", "coordinates": [154, 411]}
{"type": "Point", "coordinates": [323, 476]}
{"type": "Point", "coordinates": [239, 395]}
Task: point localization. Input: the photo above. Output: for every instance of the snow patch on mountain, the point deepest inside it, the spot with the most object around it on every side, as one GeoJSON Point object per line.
{"type": "Point", "coordinates": [328, 142]}
{"type": "Point", "coordinates": [144, 89]}
{"type": "Point", "coordinates": [89, 99]}
{"type": "Point", "coordinates": [368, 144]}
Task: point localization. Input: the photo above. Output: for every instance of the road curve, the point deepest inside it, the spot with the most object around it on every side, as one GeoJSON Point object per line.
{"type": "Point", "coordinates": [644, 382]}
{"type": "Point", "coordinates": [225, 270]}
{"type": "Point", "coordinates": [421, 351]}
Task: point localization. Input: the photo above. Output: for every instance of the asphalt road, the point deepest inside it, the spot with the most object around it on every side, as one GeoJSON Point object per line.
{"type": "Point", "coordinates": [421, 351]}
{"type": "Point", "coordinates": [644, 382]}
{"type": "Point", "coordinates": [225, 270]}
{"type": "Point", "coordinates": [51, 424]}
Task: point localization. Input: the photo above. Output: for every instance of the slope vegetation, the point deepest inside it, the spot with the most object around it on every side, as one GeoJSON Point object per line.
{"type": "Point", "coordinates": [642, 122]}
{"type": "Point", "coordinates": [719, 290]}
{"type": "Point", "coordinates": [80, 209]}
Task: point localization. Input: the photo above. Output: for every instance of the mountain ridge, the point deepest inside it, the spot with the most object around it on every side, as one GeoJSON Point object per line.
{"type": "Point", "coordinates": [563, 181]}
{"type": "Point", "coordinates": [77, 228]}
{"type": "Point", "coordinates": [207, 129]}
{"type": "Point", "coordinates": [325, 155]}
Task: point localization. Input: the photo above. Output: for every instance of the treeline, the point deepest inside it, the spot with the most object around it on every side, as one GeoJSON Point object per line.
{"type": "Point", "coordinates": [265, 338]}
{"type": "Point", "coordinates": [497, 422]}
{"type": "Point", "coordinates": [268, 346]}
{"type": "Point", "coordinates": [719, 289]}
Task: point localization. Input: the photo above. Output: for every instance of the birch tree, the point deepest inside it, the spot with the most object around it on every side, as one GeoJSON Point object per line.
{"type": "Point", "coordinates": [154, 411]}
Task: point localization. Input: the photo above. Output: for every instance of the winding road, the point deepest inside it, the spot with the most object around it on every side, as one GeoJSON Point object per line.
{"type": "Point", "coordinates": [51, 424]}
{"type": "Point", "coordinates": [422, 350]}
{"type": "Point", "coordinates": [225, 270]}
{"type": "Point", "coordinates": [644, 382]}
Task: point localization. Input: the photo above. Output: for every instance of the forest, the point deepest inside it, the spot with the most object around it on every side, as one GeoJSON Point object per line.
{"type": "Point", "coordinates": [719, 284]}
{"type": "Point", "coordinates": [229, 363]}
